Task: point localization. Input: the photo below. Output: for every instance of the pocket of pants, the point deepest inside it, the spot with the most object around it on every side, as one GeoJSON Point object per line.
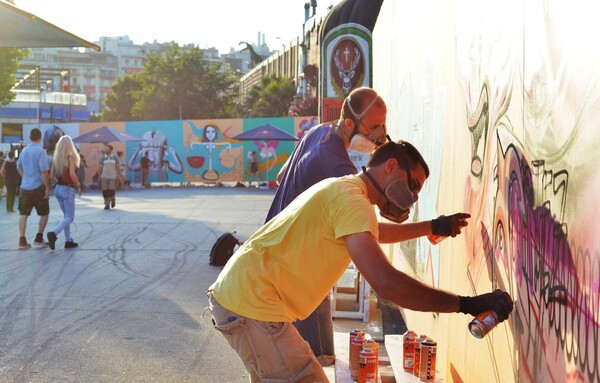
{"type": "Point", "coordinates": [234, 323]}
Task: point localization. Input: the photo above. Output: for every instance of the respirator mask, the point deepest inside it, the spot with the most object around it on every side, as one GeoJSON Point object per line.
{"type": "Point", "coordinates": [366, 144]}
{"type": "Point", "coordinates": [361, 143]}
{"type": "Point", "coordinates": [399, 198]}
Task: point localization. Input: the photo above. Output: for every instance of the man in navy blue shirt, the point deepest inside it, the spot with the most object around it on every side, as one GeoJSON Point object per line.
{"type": "Point", "coordinates": [323, 153]}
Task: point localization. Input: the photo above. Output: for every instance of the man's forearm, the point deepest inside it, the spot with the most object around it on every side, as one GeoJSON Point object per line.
{"type": "Point", "coordinates": [412, 294]}
{"type": "Point", "coordinates": [394, 232]}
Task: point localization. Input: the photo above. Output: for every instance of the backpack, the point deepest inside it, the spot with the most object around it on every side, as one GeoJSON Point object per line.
{"type": "Point", "coordinates": [223, 249]}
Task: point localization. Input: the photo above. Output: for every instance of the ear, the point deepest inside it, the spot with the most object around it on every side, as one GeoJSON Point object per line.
{"type": "Point", "coordinates": [390, 165]}
{"type": "Point", "coordinates": [349, 124]}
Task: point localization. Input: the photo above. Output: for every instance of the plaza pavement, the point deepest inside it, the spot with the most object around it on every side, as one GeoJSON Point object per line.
{"type": "Point", "coordinates": [127, 305]}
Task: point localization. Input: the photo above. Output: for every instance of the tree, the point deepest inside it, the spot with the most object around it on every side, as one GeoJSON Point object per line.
{"type": "Point", "coordinates": [271, 97]}
{"type": "Point", "coordinates": [178, 84]}
{"type": "Point", "coordinates": [120, 103]}
{"type": "Point", "coordinates": [9, 63]}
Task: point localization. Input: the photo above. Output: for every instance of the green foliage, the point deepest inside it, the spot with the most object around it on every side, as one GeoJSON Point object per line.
{"type": "Point", "coordinates": [120, 103]}
{"type": "Point", "coordinates": [9, 63]}
{"type": "Point", "coordinates": [179, 81]}
{"type": "Point", "coordinates": [271, 97]}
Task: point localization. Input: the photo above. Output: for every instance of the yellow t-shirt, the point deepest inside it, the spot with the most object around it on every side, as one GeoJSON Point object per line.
{"type": "Point", "coordinates": [288, 266]}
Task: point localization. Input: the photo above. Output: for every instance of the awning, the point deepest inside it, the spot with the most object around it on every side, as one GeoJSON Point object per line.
{"type": "Point", "coordinates": [20, 29]}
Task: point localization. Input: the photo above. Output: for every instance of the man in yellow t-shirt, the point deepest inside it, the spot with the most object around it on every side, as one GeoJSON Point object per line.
{"type": "Point", "coordinates": [283, 271]}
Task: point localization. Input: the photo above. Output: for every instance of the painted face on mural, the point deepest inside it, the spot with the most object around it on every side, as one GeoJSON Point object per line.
{"type": "Point", "coordinates": [210, 133]}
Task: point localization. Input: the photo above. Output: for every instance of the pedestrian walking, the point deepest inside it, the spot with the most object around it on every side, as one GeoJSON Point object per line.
{"type": "Point", "coordinates": [109, 170]}
{"type": "Point", "coordinates": [145, 166]}
{"type": "Point", "coordinates": [33, 168]}
{"type": "Point", "coordinates": [255, 174]}
{"type": "Point", "coordinates": [63, 170]}
{"type": "Point", "coordinates": [121, 177]}
{"type": "Point", "coordinates": [12, 180]}
{"type": "Point", "coordinates": [81, 170]}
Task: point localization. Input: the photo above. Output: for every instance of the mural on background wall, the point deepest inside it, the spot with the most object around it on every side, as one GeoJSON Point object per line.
{"type": "Point", "coordinates": [200, 151]}
{"type": "Point", "coordinates": [304, 124]}
{"type": "Point", "coordinates": [272, 154]}
{"type": "Point", "coordinates": [527, 108]}
{"type": "Point", "coordinates": [162, 144]}
{"type": "Point", "coordinates": [211, 153]}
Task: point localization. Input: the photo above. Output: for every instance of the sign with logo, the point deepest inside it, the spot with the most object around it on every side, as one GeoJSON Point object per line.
{"type": "Point", "coordinates": [345, 65]}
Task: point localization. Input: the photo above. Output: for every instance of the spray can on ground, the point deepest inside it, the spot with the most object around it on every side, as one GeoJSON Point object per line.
{"type": "Point", "coordinates": [368, 362]}
{"type": "Point", "coordinates": [417, 355]}
{"type": "Point", "coordinates": [427, 363]}
{"type": "Point", "coordinates": [408, 355]}
{"type": "Point", "coordinates": [483, 323]}
{"type": "Point", "coordinates": [357, 338]}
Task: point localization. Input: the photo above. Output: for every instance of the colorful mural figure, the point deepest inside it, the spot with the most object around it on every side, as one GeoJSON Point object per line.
{"type": "Point", "coordinates": [209, 143]}
{"type": "Point", "coordinates": [305, 124]}
{"type": "Point", "coordinates": [51, 137]}
{"type": "Point", "coordinates": [210, 157]}
{"type": "Point", "coordinates": [200, 151]}
{"type": "Point", "coordinates": [163, 157]}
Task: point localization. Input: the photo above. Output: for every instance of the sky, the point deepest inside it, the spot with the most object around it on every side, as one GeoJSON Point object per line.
{"type": "Point", "coordinates": [221, 24]}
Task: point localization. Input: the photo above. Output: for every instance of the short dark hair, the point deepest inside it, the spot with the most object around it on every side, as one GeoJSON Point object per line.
{"type": "Point", "coordinates": [110, 147]}
{"type": "Point", "coordinates": [35, 134]}
{"type": "Point", "coordinates": [402, 151]}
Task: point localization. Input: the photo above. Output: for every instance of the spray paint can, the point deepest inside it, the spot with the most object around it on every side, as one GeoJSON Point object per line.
{"type": "Point", "coordinates": [372, 345]}
{"type": "Point", "coordinates": [357, 338]}
{"type": "Point", "coordinates": [368, 361]}
{"type": "Point", "coordinates": [417, 355]}
{"type": "Point", "coordinates": [428, 357]}
{"type": "Point", "coordinates": [408, 355]}
{"type": "Point", "coordinates": [483, 323]}
{"type": "Point", "coordinates": [435, 239]}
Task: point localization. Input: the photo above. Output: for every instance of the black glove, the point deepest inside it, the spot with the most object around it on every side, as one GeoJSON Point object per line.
{"type": "Point", "coordinates": [449, 225]}
{"type": "Point", "coordinates": [499, 301]}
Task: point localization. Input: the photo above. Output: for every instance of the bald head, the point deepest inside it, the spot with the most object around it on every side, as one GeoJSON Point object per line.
{"type": "Point", "coordinates": [360, 102]}
{"type": "Point", "coordinates": [363, 112]}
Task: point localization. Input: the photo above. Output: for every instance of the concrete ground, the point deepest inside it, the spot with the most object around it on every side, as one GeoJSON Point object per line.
{"type": "Point", "coordinates": [127, 305]}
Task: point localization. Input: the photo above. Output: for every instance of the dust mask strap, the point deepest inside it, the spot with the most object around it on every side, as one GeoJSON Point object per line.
{"type": "Point", "coordinates": [364, 112]}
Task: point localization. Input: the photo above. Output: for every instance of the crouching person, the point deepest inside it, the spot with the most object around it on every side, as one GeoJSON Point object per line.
{"type": "Point", "coordinates": [286, 269]}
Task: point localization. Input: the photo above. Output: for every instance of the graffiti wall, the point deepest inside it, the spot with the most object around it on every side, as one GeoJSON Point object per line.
{"type": "Point", "coordinates": [188, 151]}
{"type": "Point", "coordinates": [504, 100]}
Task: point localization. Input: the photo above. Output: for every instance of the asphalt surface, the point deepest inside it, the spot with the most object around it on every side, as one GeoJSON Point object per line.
{"type": "Point", "coordinates": [127, 305]}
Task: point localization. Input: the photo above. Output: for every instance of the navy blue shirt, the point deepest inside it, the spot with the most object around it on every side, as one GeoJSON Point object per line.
{"type": "Point", "coordinates": [320, 154]}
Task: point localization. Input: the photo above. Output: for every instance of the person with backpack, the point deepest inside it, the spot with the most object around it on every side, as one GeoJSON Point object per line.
{"type": "Point", "coordinates": [109, 170]}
